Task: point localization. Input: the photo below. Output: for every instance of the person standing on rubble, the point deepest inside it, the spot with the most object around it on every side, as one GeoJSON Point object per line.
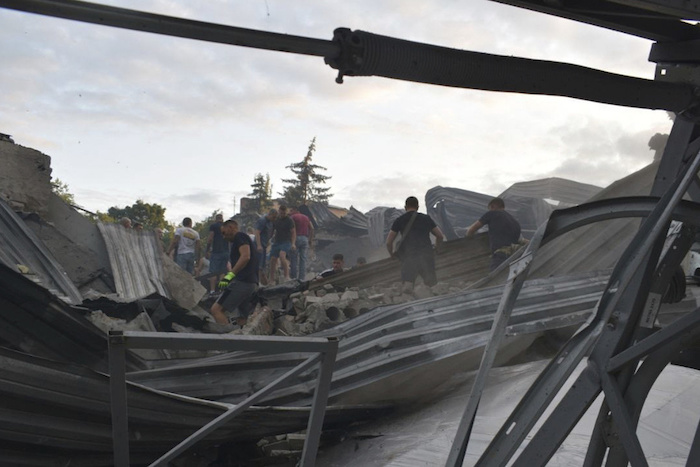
{"type": "Point", "coordinates": [414, 248]}
{"type": "Point", "coordinates": [217, 252]}
{"type": "Point", "coordinates": [305, 237]}
{"type": "Point", "coordinates": [186, 239]}
{"type": "Point", "coordinates": [239, 284]}
{"type": "Point", "coordinates": [263, 233]}
{"type": "Point", "coordinates": [283, 243]}
{"type": "Point", "coordinates": [504, 231]}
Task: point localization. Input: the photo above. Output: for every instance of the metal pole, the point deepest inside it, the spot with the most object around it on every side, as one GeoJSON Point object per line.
{"type": "Point", "coordinates": [117, 392]}
{"type": "Point", "coordinates": [318, 409]}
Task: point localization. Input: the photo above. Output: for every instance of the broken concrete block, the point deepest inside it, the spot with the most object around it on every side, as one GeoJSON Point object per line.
{"type": "Point", "coordinates": [285, 326]}
{"type": "Point", "coordinates": [333, 313]}
{"type": "Point", "coordinates": [378, 296]}
{"type": "Point", "coordinates": [260, 322]}
{"type": "Point", "coordinates": [422, 291]}
{"type": "Point", "coordinates": [321, 292]}
{"type": "Point", "coordinates": [350, 295]}
{"type": "Point", "coordinates": [329, 287]}
{"type": "Point", "coordinates": [331, 297]}
{"type": "Point", "coordinates": [350, 312]}
{"type": "Point", "coordinates": [312, 299]}
{"type": "Point", "coordinates": [296, 441]}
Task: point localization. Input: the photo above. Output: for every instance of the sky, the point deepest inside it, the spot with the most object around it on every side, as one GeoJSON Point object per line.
{"type": "Point", "coordinates": [127, 115]}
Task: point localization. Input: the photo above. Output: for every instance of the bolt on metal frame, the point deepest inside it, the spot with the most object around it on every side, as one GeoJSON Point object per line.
{"type": "Point", "coordinates": [324, 352]}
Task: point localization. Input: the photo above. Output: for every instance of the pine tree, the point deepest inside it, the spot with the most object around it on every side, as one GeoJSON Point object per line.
{"type": "Point", "coordinates": [307, 184]}
{"type": "Point", "coordinates": [262, 192]}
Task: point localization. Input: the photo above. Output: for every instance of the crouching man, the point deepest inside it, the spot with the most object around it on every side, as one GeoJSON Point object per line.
{"type": "Point", "coordinates": [239, 284]}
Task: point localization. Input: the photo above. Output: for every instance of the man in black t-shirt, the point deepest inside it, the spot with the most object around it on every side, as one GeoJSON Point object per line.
{"type": "Point", "coordinates": [240, 283]}
{"type": "Point", "coordinates": [504, 231]}
{"type": "Point", "coordinates": [416, 250]}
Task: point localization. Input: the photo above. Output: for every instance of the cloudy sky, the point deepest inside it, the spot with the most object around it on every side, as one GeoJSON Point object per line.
{"type": "Point", "coordinates": [127, 115]}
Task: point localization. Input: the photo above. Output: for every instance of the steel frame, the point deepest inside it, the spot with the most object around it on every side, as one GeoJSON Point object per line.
{"type": "Point", "coordinates": [324, 352]}
{"type": "Point", "coordinates": [616, 339]}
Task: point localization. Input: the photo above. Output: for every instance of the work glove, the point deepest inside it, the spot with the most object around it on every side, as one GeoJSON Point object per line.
{"type": "Point", "coordinates": [223, 283]}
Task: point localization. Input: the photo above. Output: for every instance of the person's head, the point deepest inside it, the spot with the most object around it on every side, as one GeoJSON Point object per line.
{"type": "Point", "coordinates": [219, 218]}
{"type": "Point", "coordinates": [361, 261]}
{"type": "Point", "coordinates": [250, 230]}
{"type": "Point", "coordinates": [138, 226]}
{"type": "Point", "coordinates": [159, 232]}
{"type": "Point", "coordinates": [272, 215]}
{"type": "Point", "coordinates": [338, 262]}
{"type": "Point", "coordinates": [293, 209]}
{"type": "Point", "coordinates": [126, 222]}
{"type": "Point", "coordinates": [411, 203]}
{"type": "Point", "coordinates": [187, 222]}
{"type": "Point", "coordinates": [229, 229]}
{"type": "Point", "coordinates": [497, 204]}
{"type": "Point", "coordinates": [283, 211]}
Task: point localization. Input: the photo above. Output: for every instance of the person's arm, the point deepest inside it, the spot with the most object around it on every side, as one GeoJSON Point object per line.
{"type": "Point", "coordinates": [473, 228]}
{"type": "Point", "coordinates": [390, 242]}
{"type": "Point", "coordinates": [243, 259]}
{"type": "Point", "coordinates": [173, 244]}
{"type": "Point", "coordinates": [294, 236]}
{"type": "Point", "coordinates": [210, 240]}
{"type": "Point", "coordinates": [258, 244]}
{"type": "Point", "coordinates": [439, 237]}
{"type": "Point", "coordinates": [311, 232]}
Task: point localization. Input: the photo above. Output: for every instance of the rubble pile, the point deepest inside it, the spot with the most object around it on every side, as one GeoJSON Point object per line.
{"type": "Point", "coordinates": [320, 309]}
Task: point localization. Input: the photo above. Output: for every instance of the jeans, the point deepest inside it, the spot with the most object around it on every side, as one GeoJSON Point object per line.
{"type": "Point", "coordinates": [186, 262]}
{"type": "Point", "coordinates": [298, 258]}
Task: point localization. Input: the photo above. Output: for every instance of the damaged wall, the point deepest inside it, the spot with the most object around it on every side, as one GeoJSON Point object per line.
{"type": "Point", "coordinates": [25, 177]}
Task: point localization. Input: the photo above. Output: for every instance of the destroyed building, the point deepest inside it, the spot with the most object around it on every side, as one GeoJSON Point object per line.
{"type": "Point", "coordinates": [400, 378]}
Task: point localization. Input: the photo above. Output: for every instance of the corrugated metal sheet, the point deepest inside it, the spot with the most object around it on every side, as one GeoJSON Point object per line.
{"type": "Point", "coordinates": [464, 259]}
{"type": "Point", "coordinates": [454, 210]}
{"type": "Point", "coordinates": [35, 321]}
{"type": "Point", "coordinates": [379, 221]}
{"type": "Point", "coordinates": [387, 346]}
{"type": "Point", "coordinates": [19, 245]}
{"type": "Point", "coordinates": [136, 260]}
{"type": "Point", "coordinates": [592, 247]}
{"type": "Point", "coordinates": [59, 414]}
{"type": "Point", "coordinates": [567, 192]}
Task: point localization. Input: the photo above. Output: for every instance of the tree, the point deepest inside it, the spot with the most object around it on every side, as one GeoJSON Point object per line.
{"type": "Point", "coordinates": [262, 192]}
{"type": "Point", "coordinates": [61, 190]}
{"type": "Point", "coordinates": [150, 215]}
{"type": "Point", "coordinates": [307, 184]}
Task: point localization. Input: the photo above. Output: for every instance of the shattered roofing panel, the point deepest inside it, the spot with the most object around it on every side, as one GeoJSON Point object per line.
{"type": "Point", "coordinates": [19, 245]}
{"type": "Point", "coordinates": [466, 259]}
{"type": "Point", "coordinates": [34, 321]}
{"type": "Point", "coordinates": [567, 192]}
{"type": "Point", "coordinates": [453, 209]}
{"type": "Point", "coordinates": [393, 343]}
{"type": "Point", "coordinates": [136, 259]}
{"type": "Point", "coordinates": [379, 221]}
{"type": "Point", "coordinates": [355, 224]}
{"type": "Point", "coordinates": [62, 411]}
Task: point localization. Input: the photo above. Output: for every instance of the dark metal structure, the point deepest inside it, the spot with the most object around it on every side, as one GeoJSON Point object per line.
{"type": "Point", "coordinates": [625, 351]}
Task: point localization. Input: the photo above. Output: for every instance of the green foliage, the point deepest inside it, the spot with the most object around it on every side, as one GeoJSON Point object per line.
{"type": "Point", "coordinates": [61, 190]}
{"type": "Point", "coordinates": [150, 215]}
{"type": "Point", "coordinates": [262, 193]}
{"type": "Point", "coordinates": [306, 186]}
